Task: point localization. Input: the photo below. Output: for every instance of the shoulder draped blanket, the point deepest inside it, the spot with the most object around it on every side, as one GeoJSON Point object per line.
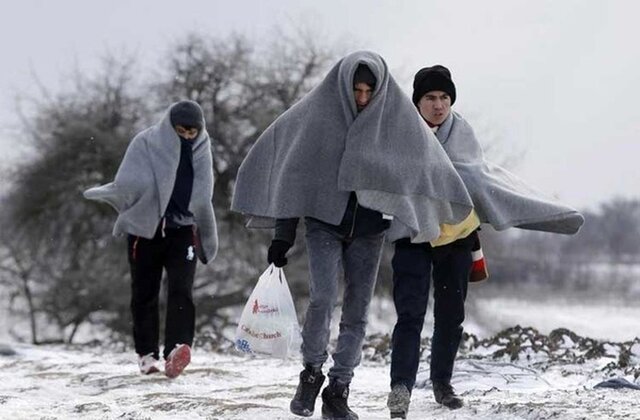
{"type": "Point", "coordinates": [501, 198]}
{"type": "Point", "coordinates": [144, 182]}
{"type": "Point", "coordinates": [308, 161]}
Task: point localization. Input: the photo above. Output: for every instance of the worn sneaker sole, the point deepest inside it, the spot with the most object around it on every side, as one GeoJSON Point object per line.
{"type": "Point", "coordinates": [299, 411]}
{"type": "Point", "coordinates": [327, 416]}
{"type": "Point", "coordinates": [179, 358]}
{"type": "Point", "coordinates": [452, 405]}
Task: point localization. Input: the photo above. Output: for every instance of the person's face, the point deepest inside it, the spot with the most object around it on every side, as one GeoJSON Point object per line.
{"type": "Point", "coordinates": [188, 133]}
{"type": "Point", "coordinates": [363, 93]}
{"type": "Point", "coordinates": [435, 107]}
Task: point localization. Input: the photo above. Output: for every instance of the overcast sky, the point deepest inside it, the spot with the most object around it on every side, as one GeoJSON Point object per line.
{"type": "Point", "coordinates": [556, 79]}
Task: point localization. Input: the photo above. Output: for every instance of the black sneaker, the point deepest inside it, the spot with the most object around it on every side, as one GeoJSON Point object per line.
{"type": "Point", "coordinates": [445, 395]}
{"type": "Point", "coordinates": [334, 402]}
{"type": "Point", "coordinates": [311, 380]}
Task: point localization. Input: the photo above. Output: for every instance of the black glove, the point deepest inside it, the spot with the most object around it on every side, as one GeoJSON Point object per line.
{"type": "Point", "coordinates": [277, 252]}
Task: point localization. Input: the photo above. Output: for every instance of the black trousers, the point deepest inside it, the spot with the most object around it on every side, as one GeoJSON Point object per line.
{"type": "Point", "coordinates": [175, 252]}
{"type": "Point", "coordinates": [412, 272]}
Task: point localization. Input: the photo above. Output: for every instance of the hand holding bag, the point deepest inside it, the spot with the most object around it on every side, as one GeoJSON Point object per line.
{"type": "Point", "coordinates": [269, 324]}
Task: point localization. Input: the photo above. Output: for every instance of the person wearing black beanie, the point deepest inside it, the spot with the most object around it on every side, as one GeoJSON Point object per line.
{"type": "Point", "coordinates": [187, 114]}
{"type": "Point", "coordinates": [433, 94]}
{"type": "Point", "coordinates": [163, 192]}
{"type": "Point", "coordinates": [436, 77]}
{"type": "Point", "coordinates": [187, 119]}
{"type": "Point", "coordinates": [415, 265]}
{"type": "Point", "coordinates": [500, 199]}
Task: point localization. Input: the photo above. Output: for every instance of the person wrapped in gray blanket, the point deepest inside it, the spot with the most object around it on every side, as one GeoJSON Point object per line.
{"type": "Point", "coordinates": [348, 157]}
{"type": "Point", "coordinates": [500, 199]}
{"type": "Point", "coordinates": [163, 193]}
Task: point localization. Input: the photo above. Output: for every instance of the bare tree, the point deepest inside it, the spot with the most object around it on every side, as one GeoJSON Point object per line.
{"type": "Point", "coordinates": [56, 245]}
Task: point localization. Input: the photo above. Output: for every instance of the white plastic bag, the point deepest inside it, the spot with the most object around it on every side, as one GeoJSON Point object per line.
{"type": "Point", "coordinates": [268, 324]}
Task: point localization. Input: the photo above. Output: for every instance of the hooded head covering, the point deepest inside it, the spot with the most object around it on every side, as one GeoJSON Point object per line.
{"type": "Point", "coordinates": [364, 75]}
{"type": "Point", "coordinates": [308, 161]}
{"type": "Point", "coordinates": [433, 78]}
{"type": "Point", "coordinates": [144, 182]}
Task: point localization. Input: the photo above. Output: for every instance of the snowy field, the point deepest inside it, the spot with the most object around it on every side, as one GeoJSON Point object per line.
{"type": "Point", "coordinates": [603, 319]}
{"type": "Point", "coordinates": [517, 375]}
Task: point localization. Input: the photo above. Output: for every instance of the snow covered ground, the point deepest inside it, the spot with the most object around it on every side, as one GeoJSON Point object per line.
{"type": "Point", "coordinates": [602, 319]}
{"type": "Point", "coordinates": [515, 375]}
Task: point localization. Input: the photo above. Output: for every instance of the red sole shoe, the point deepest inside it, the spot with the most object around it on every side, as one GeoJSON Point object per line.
{"type": "Point", "coordinates": [178, 359]}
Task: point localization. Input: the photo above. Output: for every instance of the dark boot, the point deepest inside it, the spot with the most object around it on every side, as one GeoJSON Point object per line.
{"type": "Point", "coordinates": [311, 380]}
{"type": "Point", "coordinates": [445, 395]}
{"type": "Point", "coordinates": [334, 402]}
{"type": "Point", "coordinates": [398, 401]}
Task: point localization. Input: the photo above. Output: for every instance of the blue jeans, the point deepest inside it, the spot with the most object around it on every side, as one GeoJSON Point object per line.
{"type": "Point", "coordinates": [331, 256]}
{"type": "Point", "coordinates": [412, 272]}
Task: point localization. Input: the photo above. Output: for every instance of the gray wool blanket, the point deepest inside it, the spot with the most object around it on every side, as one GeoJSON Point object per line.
{"type": "Point", "coordinates": [309, 159]}
{"type": "Point", "coordinates": [501, 198]}
{"type": "Point", "coordinates": [144, 183]}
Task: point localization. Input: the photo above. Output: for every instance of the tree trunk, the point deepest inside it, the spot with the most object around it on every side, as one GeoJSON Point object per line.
{"type": "Point", "coordinates": [32, 310]}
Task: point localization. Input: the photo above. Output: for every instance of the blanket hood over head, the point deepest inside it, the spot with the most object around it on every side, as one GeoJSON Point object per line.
{"type": "Point", "coordinates": [308, 161]}
{"type": "Point", "coordinates": [144, 183]}
{"type": "Point", "coordinates": [501, 198]}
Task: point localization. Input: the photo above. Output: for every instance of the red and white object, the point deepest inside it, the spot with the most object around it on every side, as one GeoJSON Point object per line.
{"type": "Point", "coordinates": [479, 270]}
{"type": "Point", "coordinates": [178, 359]}
{"type": "Point", "coordinates": [269, 324]}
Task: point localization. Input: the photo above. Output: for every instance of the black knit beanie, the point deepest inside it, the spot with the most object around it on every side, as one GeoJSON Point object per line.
{"type": "Point", "coordinates": [187, 114]}
{"type": "Point", "coordinates": [433, 78]}
{"type": "Point", "coordinates": [364, 74]}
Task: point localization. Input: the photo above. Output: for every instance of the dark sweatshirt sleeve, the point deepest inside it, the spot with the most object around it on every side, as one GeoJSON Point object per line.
{"type": "Point", "coordinates": [286, 230]}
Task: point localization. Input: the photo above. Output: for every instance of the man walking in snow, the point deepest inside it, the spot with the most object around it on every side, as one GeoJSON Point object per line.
{"type": "Point", "coordinates": [348, 157]}
{"type": "Point", "coordinates": [499, 199]}
{"type": "Point", "coordinates": [162, 192]}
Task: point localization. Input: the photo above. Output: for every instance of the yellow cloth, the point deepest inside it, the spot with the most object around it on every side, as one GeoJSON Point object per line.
{"type": "Point", "coordinates": [451, 233]}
